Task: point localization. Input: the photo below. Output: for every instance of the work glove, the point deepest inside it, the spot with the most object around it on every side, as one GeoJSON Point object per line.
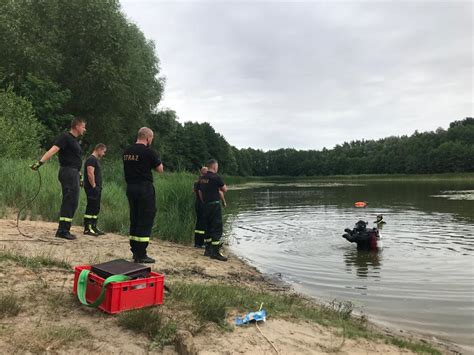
{"type": "Point", "coordinates": [36, 165]}
{"type": "Point", "coordinates": [81, 180]}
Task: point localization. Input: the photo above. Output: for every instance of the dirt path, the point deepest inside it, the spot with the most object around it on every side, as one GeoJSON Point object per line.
{"type": "Point", "coordinates": [51, 320]}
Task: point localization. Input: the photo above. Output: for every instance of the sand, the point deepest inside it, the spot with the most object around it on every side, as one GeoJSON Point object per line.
{"type": "Point", "coordinates": [48, 303]}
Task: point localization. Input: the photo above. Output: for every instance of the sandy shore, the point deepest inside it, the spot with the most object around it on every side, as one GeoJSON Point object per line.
{"type": "Point", "coordinates": [48, 303]}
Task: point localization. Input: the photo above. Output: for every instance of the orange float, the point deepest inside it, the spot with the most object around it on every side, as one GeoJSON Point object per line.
{"type": "Point", "coordinates": [360, 204]}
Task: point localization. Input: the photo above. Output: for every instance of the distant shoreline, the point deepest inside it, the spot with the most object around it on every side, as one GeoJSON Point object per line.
{"type": "Point", "coordinates": [465, 177]}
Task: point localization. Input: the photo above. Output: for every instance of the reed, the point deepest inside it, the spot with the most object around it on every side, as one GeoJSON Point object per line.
{"type": "Point", "coordinates": [174, 221]}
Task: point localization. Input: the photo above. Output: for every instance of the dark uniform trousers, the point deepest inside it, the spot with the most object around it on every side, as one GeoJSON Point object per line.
{"type": "Point", "coordinates": [70, 185]}
{"type": "Point", "coordinates": [200, 229]}
{"type": "Point", "coordinates": [213, 222]}
{"type": "Point", "coordinates": [141, 199]}
{"type": "Point", "coordinates": [93, 206]}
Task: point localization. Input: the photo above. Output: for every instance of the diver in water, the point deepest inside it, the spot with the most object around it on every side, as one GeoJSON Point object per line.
{"type": "Point", "coordinates": [366, 238]}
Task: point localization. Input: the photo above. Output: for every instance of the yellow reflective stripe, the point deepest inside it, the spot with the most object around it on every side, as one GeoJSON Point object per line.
{"type": "Point", "coordinates": [207, 240]}
{"type": "Point", "coordinates": [140, 239]}
{"type": "Point", "coordinates": [199, 232]}
{"type": "Point", "coordinates": [214, 242]}
{"type": "Point", "coordinates": [65, 219]}
{"type": "Point", "coordinates": [90, 216]}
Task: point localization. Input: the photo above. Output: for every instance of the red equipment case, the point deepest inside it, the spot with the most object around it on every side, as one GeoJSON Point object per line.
{"type": "Point", "coordinates": [123, 296]}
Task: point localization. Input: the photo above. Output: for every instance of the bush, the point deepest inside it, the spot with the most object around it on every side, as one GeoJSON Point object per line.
{"type": "Point", "coordinates": [21, 131]}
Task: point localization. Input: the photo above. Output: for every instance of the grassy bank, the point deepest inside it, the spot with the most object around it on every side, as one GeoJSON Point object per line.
{"type": "Point", "coordinates": [174, 221]}
{"type": "Point", "coordinates": [215, 303]}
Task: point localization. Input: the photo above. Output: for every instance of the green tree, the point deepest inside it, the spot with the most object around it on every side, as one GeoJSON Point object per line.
{"type": "Point", "coordinates": [83, 57]}
{"type": "Point", "coordinates": [21, 131]}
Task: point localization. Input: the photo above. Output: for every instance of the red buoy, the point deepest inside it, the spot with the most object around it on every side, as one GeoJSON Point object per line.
{"type": "Point", "coordinates": [360, 204]}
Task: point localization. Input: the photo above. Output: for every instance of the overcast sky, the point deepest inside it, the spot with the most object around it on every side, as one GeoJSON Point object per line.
{"type": "Point", "coordinates": [312, 74]}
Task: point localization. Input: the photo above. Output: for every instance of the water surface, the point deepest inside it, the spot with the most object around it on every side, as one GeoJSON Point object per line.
{"type": "Point", "coordinates": [423, 279]}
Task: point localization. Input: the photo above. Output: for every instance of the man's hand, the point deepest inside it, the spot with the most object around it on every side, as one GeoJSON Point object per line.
{"type": "Point", "coordinates": [36, 165]}
{"type": "Point", "coordinates": [81, 180]}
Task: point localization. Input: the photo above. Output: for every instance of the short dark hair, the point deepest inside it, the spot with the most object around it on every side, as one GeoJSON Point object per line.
{"type": "Point", "coordinates": [76, 121]}
{"type": "Point", "coordinates": [100, 146]}
{"type": "Point", "coordinates": [211, 162]}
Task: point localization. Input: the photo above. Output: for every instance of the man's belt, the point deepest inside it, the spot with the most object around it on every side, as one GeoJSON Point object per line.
{"type": "Point", "coordinates": [213, 203]}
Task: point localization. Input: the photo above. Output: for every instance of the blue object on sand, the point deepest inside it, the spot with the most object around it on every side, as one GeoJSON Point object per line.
{"type": "Point", "coordinates": [252, 316]}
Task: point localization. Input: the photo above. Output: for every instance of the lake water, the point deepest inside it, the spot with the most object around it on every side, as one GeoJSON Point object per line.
{"type": "Point", "coordinates": [422, 280]}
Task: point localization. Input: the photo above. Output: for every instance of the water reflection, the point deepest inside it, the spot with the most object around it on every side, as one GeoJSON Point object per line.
{"type": "Point", "coordinates": [365, 263]}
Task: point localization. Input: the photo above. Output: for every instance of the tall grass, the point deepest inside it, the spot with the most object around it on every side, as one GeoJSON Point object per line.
{"type": "Point", "coordinates": [174, 221]}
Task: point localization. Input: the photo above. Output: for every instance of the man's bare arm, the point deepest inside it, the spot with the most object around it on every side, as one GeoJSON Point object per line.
{"type": "Point", "coordinates": [53, 150]}
{"type": "Point", "coordinates": [91, 176]}
{"type": "Point", "coordinates": [159, 168]}
{"type": "Point", "coordinates": [224, 202]}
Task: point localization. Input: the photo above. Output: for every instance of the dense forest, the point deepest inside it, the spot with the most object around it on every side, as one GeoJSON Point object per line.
{"type": "Point", "coordinates": [61, 59]}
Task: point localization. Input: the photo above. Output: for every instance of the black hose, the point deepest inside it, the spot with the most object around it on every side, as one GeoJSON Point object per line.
{"type": "Point", "coordinates": [28, 204]}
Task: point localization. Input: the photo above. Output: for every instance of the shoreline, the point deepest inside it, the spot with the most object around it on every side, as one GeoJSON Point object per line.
{"type": "Point", "coordinates": [38, 290]}
{"type": "Point", "coordinates": [388, 328]}
{"type": "Point", "coordinates": [457, 177]}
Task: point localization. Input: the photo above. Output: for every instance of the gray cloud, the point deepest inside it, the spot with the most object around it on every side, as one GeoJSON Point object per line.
{"type": "Point", "coordinates": [313, 74]}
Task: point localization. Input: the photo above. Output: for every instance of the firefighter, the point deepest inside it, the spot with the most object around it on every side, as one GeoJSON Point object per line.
{"type": "Point", "coordinates": [199, 230]}
{"type": "Point", "coordinates": [70, 160]}
{"type": "Point", "coordinates": [138, 162]}
{"type": "Point", "coordinates": [210, 186]}
{"type": "Point", "coordinates": [93, 188]}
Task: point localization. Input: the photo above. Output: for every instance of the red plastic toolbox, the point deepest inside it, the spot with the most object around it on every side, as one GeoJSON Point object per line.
{"type": "Point", "coordinates": [123, 296]}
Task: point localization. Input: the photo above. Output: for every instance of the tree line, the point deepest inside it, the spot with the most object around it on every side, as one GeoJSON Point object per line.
{"type": "Point", "coordinates": [441, 151]}
{"type": "Point", "coordinates": [85, 58]}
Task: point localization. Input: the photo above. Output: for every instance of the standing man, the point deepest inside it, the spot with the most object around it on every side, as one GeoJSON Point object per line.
{"type": "Point", "coordinates": [199, 230]}
{"type": "Point", "coordinates": [70, 161]}
{"type": "Point", "coordinates": [93, 188]}
{"type": "Point", "coordinates": [210, 187]}
{"type": "Point", "coordinates": [138, 162]}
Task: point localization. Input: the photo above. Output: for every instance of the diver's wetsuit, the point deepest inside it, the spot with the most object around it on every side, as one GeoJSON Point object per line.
{"type": "Point", "coordinates": [365, 238]}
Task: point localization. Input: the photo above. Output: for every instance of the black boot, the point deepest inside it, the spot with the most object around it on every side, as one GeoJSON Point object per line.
{"type": "Point", "coordinates": [96, 229]}
{"type": "Point", "coordinates": [217, 254]}
{"type": "Point", "coordinates": [207, 250]}
{"type": "Point", "coordinates": [63, 231]}
{"type": "Point", "coordinates": [144, 260]}
{"type": "Point", "coordinates": [89, 227]}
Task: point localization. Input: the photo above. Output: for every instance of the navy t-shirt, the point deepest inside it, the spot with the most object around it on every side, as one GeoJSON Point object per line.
{"type": "Point", "coordinates": [70, 151]}
{"type": "Point", "coordinates": [93, 161]}
{"type": "Point", "coordinates": [209, 186]}
{"type": "Point", "coordinates": [138, 162]}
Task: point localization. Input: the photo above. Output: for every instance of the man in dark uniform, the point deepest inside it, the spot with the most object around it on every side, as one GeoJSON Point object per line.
{"type": "Point", "coordinates": [93, 188]}
{"type": "Point", "coordinates": [210, 187]}
{"type": "Point", "coordinates": [138, 162]}
{"type": "Point", "coordinates": [199, 230]}
{"type": "Point", "coordinates": [70, 161]}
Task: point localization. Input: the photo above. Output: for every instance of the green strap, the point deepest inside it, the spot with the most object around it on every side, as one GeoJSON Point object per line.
{"type": "Point", "coordinates": [82, 287]}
